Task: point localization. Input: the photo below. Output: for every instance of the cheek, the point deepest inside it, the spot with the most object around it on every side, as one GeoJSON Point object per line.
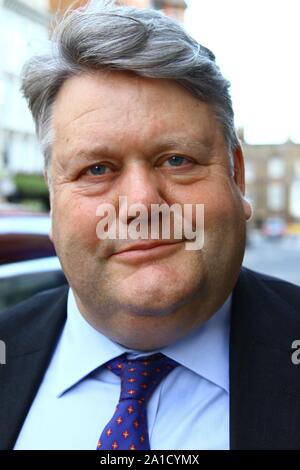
{"type": "Point", "coordinates": [74, 220]}
{"type": "Point", "coordinates": [223, 208]}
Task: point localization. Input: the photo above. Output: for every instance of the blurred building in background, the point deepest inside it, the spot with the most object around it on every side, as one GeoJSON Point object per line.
{"type": "Point", "coordinates": [174, 8]}
{"type": "Point", "coordinates": [273, 180]}
{"type": "Point", "coordinates": [23, 28]}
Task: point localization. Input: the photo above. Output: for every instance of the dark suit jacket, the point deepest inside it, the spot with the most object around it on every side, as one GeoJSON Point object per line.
{"type": "Point", "coordinates": [264, 383]}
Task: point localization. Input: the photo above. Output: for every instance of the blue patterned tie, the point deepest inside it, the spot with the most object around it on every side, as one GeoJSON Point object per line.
{"type": "Point", "coordinates": [128, 428]}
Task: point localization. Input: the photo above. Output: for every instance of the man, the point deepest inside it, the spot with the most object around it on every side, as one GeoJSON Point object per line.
{"type": "Point", "coordinates": [127, 104]}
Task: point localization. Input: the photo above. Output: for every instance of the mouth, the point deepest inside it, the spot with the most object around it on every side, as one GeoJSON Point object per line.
{"type": "Point", "coordinates": [145, 252]}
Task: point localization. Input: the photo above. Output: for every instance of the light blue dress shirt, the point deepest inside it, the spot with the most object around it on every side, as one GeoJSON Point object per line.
{"type": "Point", "coordinates": [77, 397]}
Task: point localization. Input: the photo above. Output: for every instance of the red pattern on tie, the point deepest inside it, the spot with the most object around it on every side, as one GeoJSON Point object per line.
{"type": "Point", "coordinates": [128, 428]}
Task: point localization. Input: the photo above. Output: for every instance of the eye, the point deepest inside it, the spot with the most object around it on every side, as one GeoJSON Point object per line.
{"type": "Point", "coordinates": [176, 160]}
{"type": "Point", "coordinates": [97, 170]}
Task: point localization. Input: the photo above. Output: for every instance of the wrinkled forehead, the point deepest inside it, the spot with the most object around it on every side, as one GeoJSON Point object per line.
{"type": "Point", "coordinates": [111, 88]}
{"type": "Point", "coordinates": [121, 102]}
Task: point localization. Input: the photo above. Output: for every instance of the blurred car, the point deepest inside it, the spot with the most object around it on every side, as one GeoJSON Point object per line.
{"type": "Point", "coordinates": [24, 236]}
{"type": "Point", "coordinates": [21, 280]}
{"type": "Point", "coordinates": [28, 262]}
{"type": "Point", "coordinates": [274, 227]}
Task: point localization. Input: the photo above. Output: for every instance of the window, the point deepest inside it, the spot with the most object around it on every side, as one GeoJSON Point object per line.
{"type": "Point", "coordinates": [297, 168]}
{"type": "Point", "coordinates": [33, 14]}
{"type": "Point", "coordinates": [275, 196]}
{"type": "Point", "coordinates": [249, 172]}
{"type": "Point", "coordinates": [294, 199]}
{"type": "Point", "coordinates": [276, 167]}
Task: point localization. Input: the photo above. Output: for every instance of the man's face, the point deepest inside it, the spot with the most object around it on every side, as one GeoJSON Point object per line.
{"type": "Point", "coordinates": [117, 135]}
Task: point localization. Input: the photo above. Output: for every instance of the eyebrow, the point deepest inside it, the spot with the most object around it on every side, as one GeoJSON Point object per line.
{"type": "Point", "coordinates": [204, 144]}
{"type": "Point", "coordinates": [165, 143]}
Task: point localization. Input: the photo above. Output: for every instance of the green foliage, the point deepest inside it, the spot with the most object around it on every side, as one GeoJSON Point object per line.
{"type": "Point", "coordinates": [31, 185]}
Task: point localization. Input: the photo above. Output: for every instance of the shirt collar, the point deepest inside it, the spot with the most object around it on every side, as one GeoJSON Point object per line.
{"type": "Point", "coordinates": [205, 350]}
{"type": "Point", "coordinates": [82, 349]}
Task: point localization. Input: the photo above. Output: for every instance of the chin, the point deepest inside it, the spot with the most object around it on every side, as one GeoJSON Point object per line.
{"type": "Point", "coordinates": [153, 302]}
{"type": "Point", "coordinates": [150, 307]}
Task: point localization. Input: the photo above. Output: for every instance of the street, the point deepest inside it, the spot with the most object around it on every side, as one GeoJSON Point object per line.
{"type": "Point", "coordinates": [279, 258]}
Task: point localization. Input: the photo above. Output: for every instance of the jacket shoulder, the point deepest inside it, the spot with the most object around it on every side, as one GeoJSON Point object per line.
{"type": "Point", "coordinates": [270, 308]}
{"type": "Point", "coordinates": [276, 287]}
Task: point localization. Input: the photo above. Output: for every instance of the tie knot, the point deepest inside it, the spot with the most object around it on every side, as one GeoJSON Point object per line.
{"type": "Point", "coordinates": [139, 377]}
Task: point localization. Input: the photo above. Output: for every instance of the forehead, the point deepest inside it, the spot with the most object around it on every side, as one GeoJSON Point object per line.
{"type": "Point", "coordinates": [118, 104]}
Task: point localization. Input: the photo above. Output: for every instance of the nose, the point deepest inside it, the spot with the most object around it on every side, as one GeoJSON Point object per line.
{"type": "Point", "coordinates": [140, 185]}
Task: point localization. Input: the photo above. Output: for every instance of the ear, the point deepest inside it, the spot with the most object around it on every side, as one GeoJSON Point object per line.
{"type": "Point", "coordinates": [239, 178]}
{"type": "Point", "coordinates": [48, 183]}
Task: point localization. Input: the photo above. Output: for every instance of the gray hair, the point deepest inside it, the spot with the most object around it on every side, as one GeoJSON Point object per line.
{"type": "Point", "coordinates": [102, 36]}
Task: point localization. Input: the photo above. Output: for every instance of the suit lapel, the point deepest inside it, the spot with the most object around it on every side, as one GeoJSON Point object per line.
{"type": "Point", "coordinates": [264, 384]}
{"type": "Point", "coordinates": [28, 354]}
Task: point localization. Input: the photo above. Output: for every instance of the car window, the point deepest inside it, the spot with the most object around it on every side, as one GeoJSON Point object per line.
{"type": "Point", "coordinates": [14, 289]}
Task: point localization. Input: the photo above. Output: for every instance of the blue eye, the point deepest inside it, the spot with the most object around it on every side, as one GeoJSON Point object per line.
{"type": "Point", "coordinates": [97, 170]}
{"type": "Point", "coordinates": [176, 160]}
